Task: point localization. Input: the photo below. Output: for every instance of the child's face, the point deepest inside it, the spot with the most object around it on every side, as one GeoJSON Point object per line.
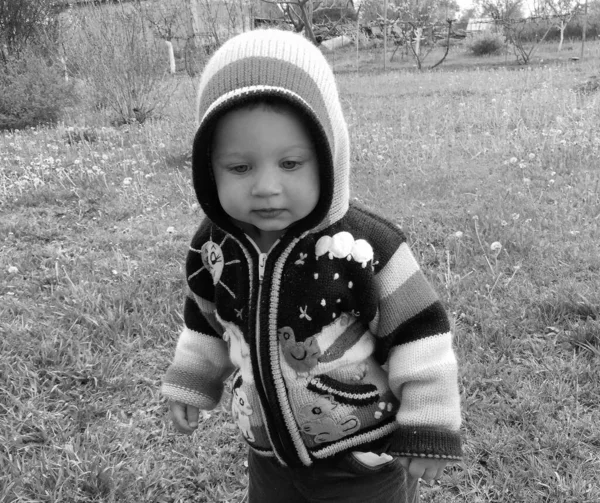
{"type": "Point", "coordinates": [266, 171]}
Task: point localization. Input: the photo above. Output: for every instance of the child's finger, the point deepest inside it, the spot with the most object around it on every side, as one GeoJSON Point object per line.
{"type": "Point", "coordinates": [429, 473]}
{"type": "Point", "coordinates": [192, 416]}
{"type": "Point", "coordinates": [178, 414]}
{"type": "Point", "coordinates": [416, 469]}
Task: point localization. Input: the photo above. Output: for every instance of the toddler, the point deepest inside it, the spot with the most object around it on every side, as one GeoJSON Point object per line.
{"type": "Point", "coordinates": [344, 377]}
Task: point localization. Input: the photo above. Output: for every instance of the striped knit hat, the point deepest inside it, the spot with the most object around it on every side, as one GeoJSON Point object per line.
{"type": "Point", "coordinates": [275, 64]}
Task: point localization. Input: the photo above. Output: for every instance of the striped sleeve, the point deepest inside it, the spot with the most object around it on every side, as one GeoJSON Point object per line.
{"type": "Point", "coordinates": [201, 363]}
{"type": "Point", "coordinates": [414, 337]}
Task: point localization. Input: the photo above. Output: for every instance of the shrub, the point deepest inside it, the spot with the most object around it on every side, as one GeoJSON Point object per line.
{"type": "Point", "coordinates": [485, 44]}
{"type": "Point", "coordinates": [114, 52]}
{"type": "Point", "coordinates": [32, 92]}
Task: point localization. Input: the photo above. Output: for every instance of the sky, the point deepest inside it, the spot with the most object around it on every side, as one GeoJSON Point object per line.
{"type": "Point", "coordinates": [465, 4]}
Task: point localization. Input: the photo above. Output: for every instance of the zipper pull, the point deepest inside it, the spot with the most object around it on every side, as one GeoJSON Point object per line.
{"type": "Point", "coordinates": [262, 261]}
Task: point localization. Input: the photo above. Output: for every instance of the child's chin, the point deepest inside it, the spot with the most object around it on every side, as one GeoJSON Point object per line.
{"type": "Point", "coordinates": [272, 230]}
{"type": "Point", "coordinates": [272, 226]}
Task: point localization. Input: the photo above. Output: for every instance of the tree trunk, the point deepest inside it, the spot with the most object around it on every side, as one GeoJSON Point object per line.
{"type": "Point", "coordinates": [63, 61]}
{"type": "Point", "coordinates": [306, 13]}
{"type": "Point", "coordinates": [195, 20]}
{"type": "Point", "coordinates": [562, 28]}
{"type": "Point", "coordinates": [172, 67]}
{"type": "Point", "coordinates": [419, 37]}
{"type": "Point", "coordinates": [385, 8]}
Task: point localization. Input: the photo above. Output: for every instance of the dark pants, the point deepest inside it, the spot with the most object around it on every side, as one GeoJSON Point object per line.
{"type": "Point", "coordinates": [343, 479]}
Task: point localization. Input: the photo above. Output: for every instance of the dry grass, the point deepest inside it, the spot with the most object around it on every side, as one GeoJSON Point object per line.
{"type": "Point", "coordinates": [94, 229]}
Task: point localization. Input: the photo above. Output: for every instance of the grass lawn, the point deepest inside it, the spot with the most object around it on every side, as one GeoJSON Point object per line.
{"type": "Point", "coordinates": [493, 174]}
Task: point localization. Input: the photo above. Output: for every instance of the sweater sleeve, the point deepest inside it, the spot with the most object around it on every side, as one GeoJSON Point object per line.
{"type": "Point", "coordinates": [201, 363]}
{"type": "Point", "coordinates": [414, 335]}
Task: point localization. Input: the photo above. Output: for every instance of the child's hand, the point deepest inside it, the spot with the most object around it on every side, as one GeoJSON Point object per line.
{"type": "Point", "coordinates": [424, 468]}
{"type": "Point", "coordinates": [184, 417]}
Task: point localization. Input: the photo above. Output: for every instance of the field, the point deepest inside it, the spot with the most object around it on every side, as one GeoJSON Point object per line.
{"type": "Point", "coordinates": [493, 174]}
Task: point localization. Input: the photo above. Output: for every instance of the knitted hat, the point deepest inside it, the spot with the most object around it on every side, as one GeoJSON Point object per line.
{"type": "Point", "coordinates": [278, 64]}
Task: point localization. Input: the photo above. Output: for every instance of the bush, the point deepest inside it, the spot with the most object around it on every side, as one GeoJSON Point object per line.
{"type": "Point", "coordinates": [485, 44]}
{"type": "Point", "coordinates": [32, 92]}
{"type": "Point", "coordinates": [113, 51]}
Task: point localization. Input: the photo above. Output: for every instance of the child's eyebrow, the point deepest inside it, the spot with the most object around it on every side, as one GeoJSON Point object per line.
{"type": "Point", "coordinates": [301, 146]}
{"type": "Point", "coordinates": [225, 154]}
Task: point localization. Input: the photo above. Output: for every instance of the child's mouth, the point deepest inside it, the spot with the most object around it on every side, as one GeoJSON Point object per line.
{"type": "Point", "coordinates": [269, 212]}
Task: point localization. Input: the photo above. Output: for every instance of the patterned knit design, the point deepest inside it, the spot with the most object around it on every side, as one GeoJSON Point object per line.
{"type": "Point", "coordinates": [344, 393]}
{"type": "Point", "coordinates": [285, 64]}
{"type": "Point", "coordinates": [200, 367]}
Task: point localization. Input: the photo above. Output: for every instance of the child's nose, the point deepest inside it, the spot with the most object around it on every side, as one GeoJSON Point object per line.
{"type": "Point", "coordinates": [266, 182]}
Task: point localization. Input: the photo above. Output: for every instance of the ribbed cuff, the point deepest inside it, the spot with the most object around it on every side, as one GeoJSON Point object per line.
{"type": "Point", "coordinates": [190, 397]}
{"type": "Point", "coordinates": [426, 443]}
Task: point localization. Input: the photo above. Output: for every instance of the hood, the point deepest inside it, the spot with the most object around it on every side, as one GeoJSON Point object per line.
{"type": "Point", "coordinates": [275, 63]}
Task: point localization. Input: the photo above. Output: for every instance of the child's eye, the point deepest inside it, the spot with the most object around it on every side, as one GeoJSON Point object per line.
{"type": "Point", "coordinates": [240, 168]}
{"type": "Point", "coordinates": [290, 164]}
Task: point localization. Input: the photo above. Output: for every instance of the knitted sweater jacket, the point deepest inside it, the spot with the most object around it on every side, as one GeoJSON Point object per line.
{"type": "Point", "coordinates": [334, 337]}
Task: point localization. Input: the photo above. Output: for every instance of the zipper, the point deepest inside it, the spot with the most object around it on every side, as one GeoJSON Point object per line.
{"type": "Point", "coordinates": [262, 262]}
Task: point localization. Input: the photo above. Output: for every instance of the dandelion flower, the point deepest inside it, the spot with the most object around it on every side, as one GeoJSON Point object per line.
{"type": "Point", "coordinates": [12, 269]}
{"type": "Point", "coordinates": [458, 234]}
{"type": "Point", "coordinates": [496, 246]}
{"type": "Point", "coordinates": [531, 156]}
{"type": "Point", "coordinates": [513, 160]}
{"type": "Point", "coordinates": [170, 230]}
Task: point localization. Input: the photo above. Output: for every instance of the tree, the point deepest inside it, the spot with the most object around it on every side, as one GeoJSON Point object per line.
{"type": "Point", "coordinates": [420, 20]}
{"type": "Point", "coordinates": [22, 22]}
{"type": "Point", "coordinates": [302, 13]}
{"type": "Point", "coordinates": [561, 12]}
{"type": "Point", "coordinates": [501, 9]}
{"type": "Point", "coordinates": [518, 32]}
{"type": "Point", "coordinates": [164, 19]}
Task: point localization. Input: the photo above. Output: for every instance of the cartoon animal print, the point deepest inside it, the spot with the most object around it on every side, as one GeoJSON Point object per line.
{"type": "Point", "coordinates": [241, 410]}
{"type": "Point", "coordinates": [301, 356]}
{"type": "Point", "coordinates": [315, 419]}
{"type": "Point", "coordinates": [342, 245]}
{"type": "Point", "coordinates": [239, 351]}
